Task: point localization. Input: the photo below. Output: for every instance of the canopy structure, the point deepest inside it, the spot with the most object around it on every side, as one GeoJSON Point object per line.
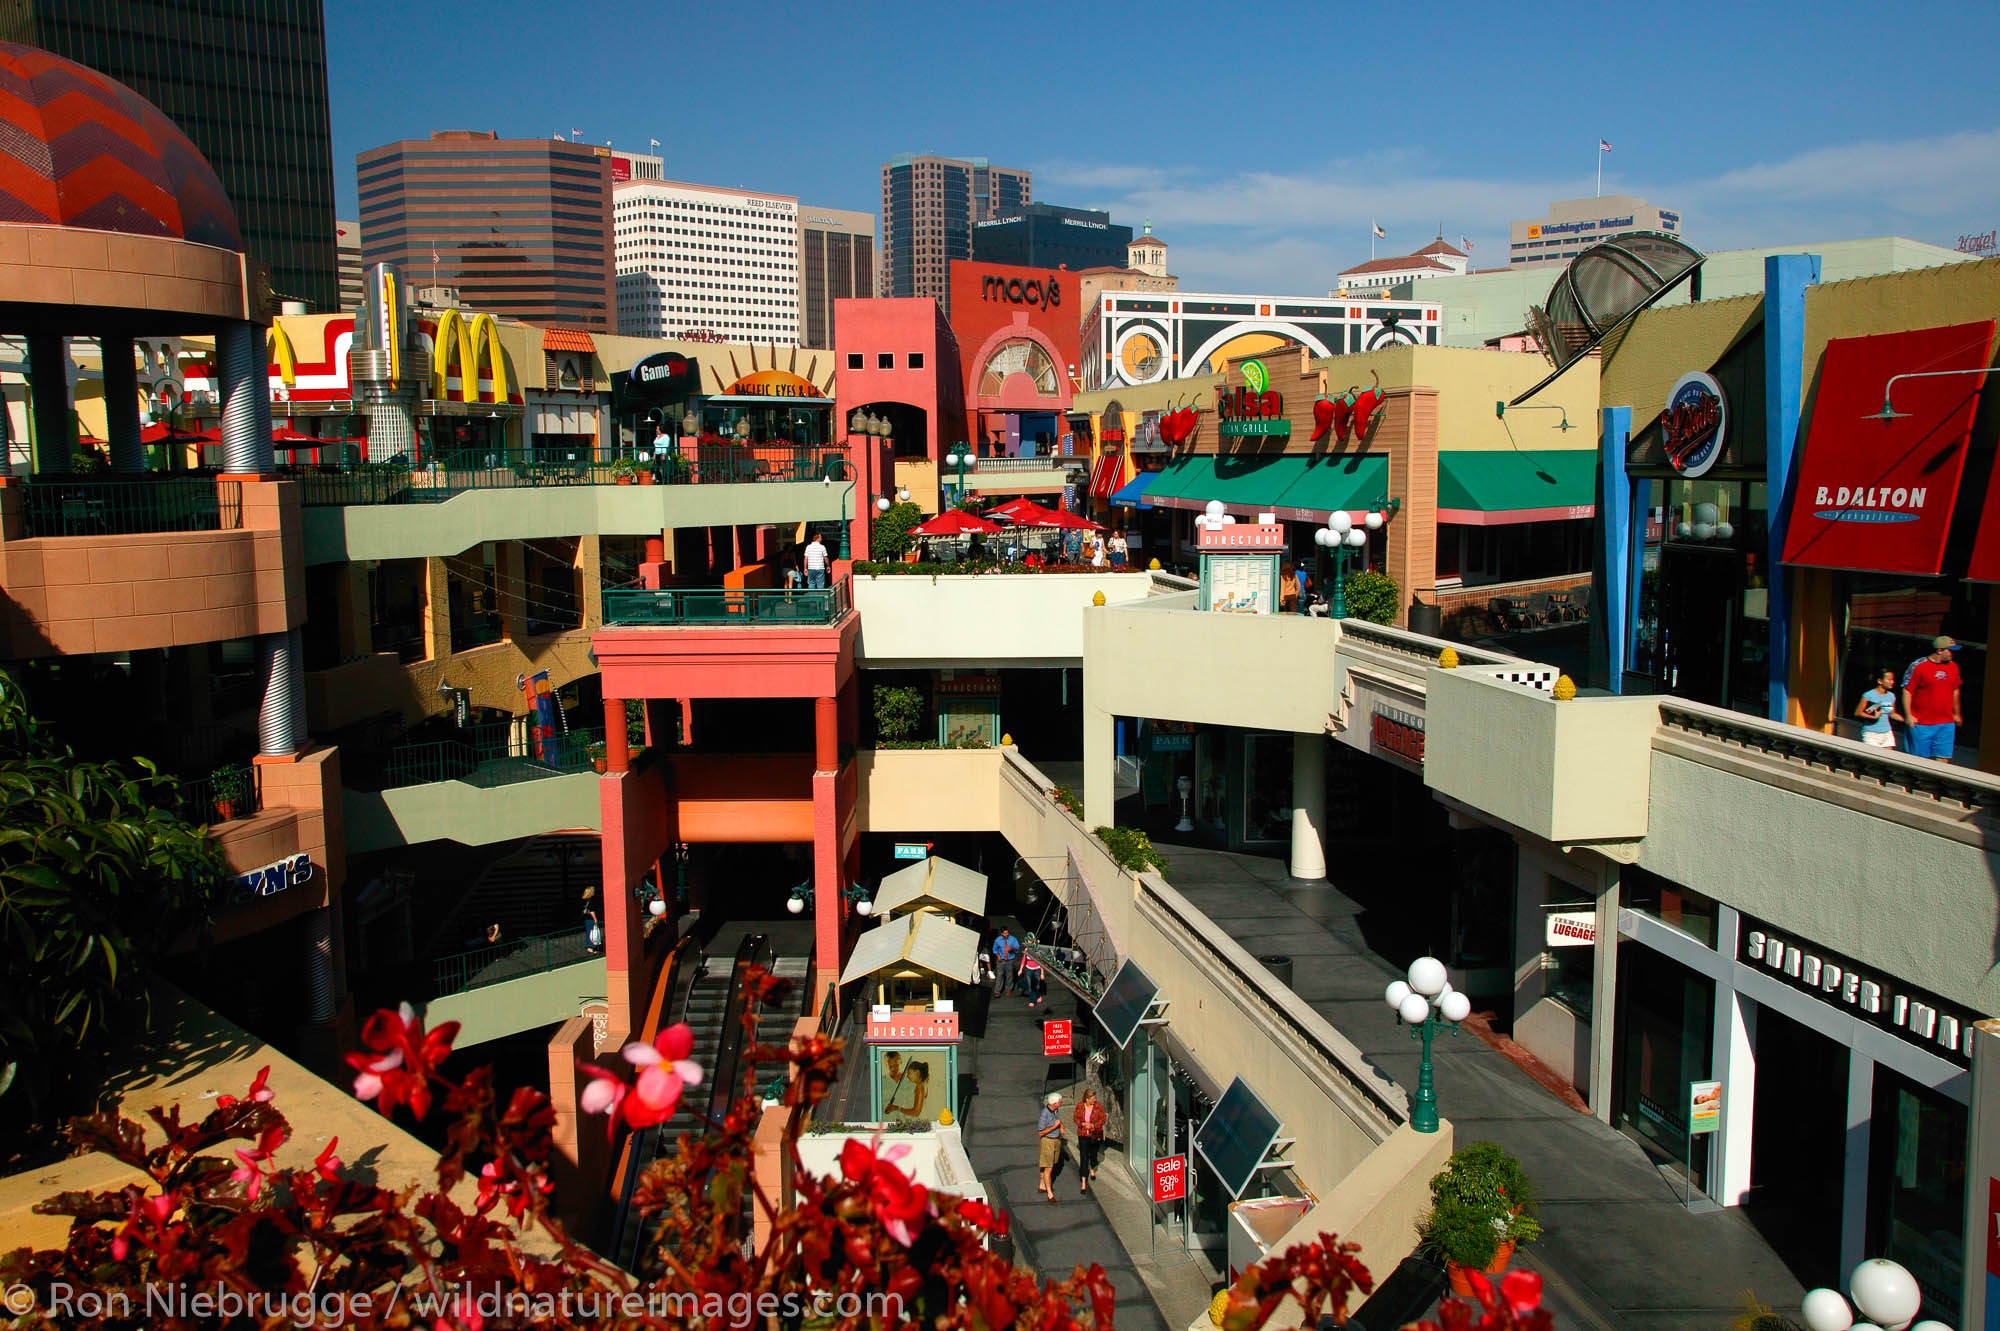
{"type": "Point", "coordinates": [934, 884]}
{"type": "Point", "coordinates": [1133, 493]}
{"type": "Point", "coordinates": [955, 522]}
{"type": "Point", "coordinates": [920, 945]}
{"type": "Point", "coordinates": [1501, 486]}
{"type": "Point", "coordinates": [1296, 487]}
{"type": "Point", "coordinates": [157, 434]}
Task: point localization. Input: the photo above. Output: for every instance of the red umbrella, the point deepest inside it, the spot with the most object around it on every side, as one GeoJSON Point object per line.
{"type": "Point", "coordinates": [955, 522]}
{"type": "Point", "coordinates": [285, 434]}
{"type": "Point", "coordinates": [1071, 522]}
{"type": "Point", "coordinates": [159, 434]}
{"type": "Point", "coordinates": [1025, 512]}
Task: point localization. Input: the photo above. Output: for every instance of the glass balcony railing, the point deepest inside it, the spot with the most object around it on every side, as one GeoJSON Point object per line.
{"type": "Point", "coordinates": [76, 506]}
{"type": "Point", "coordinates": [678, 607]}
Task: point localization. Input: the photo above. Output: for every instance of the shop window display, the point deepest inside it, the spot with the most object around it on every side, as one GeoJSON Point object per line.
{"type": "Point", "coordinates": [1667, 1014]}
{"type": "Point", "coordinates": [1917, 1188]}
{"type": "Point", "coordinates": [1704, 587]}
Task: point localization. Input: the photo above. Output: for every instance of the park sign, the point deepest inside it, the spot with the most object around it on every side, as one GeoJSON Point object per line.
{"type": "Point", "coordinates": [913, 850]}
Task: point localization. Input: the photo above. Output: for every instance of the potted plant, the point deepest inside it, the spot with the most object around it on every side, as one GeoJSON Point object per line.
{"type": "Point", "coordinates": [597, 758]}
{"type": "Point", "coordinates": [1485, 1183]}
{"type": "Point", "coordinates": [228, 786]}
{"type": "Point", "coordinates": [1463, 1236]}
{"type": "Point", "coordinates": [626, 471]}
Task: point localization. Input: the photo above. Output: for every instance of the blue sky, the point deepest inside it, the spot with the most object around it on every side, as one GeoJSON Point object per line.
{"type": "Point", "coordinates": [1260, 140]}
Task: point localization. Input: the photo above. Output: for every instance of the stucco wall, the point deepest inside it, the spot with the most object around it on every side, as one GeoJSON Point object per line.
{"type": "Point", "coordinates": [469, 815]}
{"type": "Point", "coordinates": [1661, 345]}
{"type": "Point", "coordinates": [1014, 619]}
{"type": "Point", "coordinates": [495, 1011]}
{"type": "Point", "coordinates": [352, 691]}
{"type": "Point", "coordinates": [1166, 660]}
{"type": "Point", "coordinates": [928, 790]}
{"type": "Point", "coordinates": [1898, 302]}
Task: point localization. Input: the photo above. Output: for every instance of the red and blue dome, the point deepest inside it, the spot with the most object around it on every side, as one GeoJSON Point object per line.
{"type": "Point", "coordinates": [81, 150]}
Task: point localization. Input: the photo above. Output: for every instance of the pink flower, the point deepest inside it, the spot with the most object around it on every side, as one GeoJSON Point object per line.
{"type": "Point", "coordinates": [258, 1093]}
{"type": "Point", "coordinates": [326, 1164]}
{"type": "Point", "coordinates": [900, 1202]}
{"type": "Point", "coordinates": [465, 1316]}
{"type": "Point", "coordinates": [664, 1072]}
{"type": "Point", "coordinates": [404, 1059]}
{"type": "Point", "coordinates": [250, 1173]}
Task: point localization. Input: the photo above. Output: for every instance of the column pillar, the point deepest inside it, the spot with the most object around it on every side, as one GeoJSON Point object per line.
{"type": "Point", "coordinates": [246, 400]}
{"type": "Point", "coordinates": [590, 580]}
{"type": "Point", "coordinates": [1786, 277]}
{"type": "Point", "coordinates": [826, 734]}
{"type": "Point", "coordinates": [321, 1003]}
{"type": "Point", "coordinates": [1604, 994]}
{"type": "Point", "coordinates": [1099, 763]}
{"type": "Point", "coordinates": [1854, 1170]}
{"type": "Point", "coordinates": [121, 404]}
{"type": "Point", "coordinates": [281, 715]}
{"type": "Point", "coordinates": [437, 609]}
{"type": "Point", "coordinates": [828, 904]}
{"type": "Point", "coordinates": [1308, 807]}
{"type": "Point", "coordinates": [510, 569]}
{"type": "Point", "coordinates": [1614, 585]}
{"type": "Point", "coordinates": [48, 401]}
{"type": "Point", "coordinates": [356, 611]}
{"type": "Point", "coordinates": [617, 740]}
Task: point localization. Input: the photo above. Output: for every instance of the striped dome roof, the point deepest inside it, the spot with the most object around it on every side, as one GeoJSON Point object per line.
{"type": "Point", "coordinates": [79, 149]}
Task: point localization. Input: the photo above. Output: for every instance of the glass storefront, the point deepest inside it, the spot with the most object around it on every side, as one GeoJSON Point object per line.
{"type": "Point", "coordinates": [1167, 1107]}
{"type": "Point", "coordinates": [1666, 1020]}
{"type": "Point", "coordinates": [770, 420]}
{"type": "Point", "coordinates": [1916, 1193]}
{"type": "Point", "coordinates": [1703, 624]}
{"type": "Point", "coordinates": [1887, 620]}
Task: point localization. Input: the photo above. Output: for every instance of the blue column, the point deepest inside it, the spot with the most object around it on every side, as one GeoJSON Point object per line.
{"type": "Point", "coordinates": [1786, 277]}
{"type": "Point", "coordinates": [1616, 558]}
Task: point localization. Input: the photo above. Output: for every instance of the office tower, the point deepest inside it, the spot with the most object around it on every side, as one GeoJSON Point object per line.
{"type": "Point", "coordinates": [708, 260]}
{"type": "Point", "coordinates": [521, 227]}
{"type": "Point", "coordinates": [836, 261]}
{"type": "Point", "coordinates": [929, 207]}
{"type": "Point", "coordinates": [1574, 225]}
{"type": "Point", "coordinates": [1044, 235]}
{"type": "Point", "coordinates": [246, 81]}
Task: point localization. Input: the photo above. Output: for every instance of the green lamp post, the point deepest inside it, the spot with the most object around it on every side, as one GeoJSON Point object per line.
{"type": "Point", "coordinates": [960, 456]}
{"type": "Point", "coordinates": [1428, 1003]}
{"type": "Point", "coordinates": [1340, 539]}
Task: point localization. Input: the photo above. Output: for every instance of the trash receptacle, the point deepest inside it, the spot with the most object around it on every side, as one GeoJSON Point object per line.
{"type": "Point", "coordinates": [1279, 966]}
{"type": "Point", "coordinates": [1426, 618]}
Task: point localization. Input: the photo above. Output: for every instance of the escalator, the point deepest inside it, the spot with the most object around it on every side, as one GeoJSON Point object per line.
{"type": "Point", "coordinates": [713, 1008]}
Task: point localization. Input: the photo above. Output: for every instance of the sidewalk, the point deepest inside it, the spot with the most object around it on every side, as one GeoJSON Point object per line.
{"type": "Point", "coordinates": [1618, 1248]}
{"type": "Point", "coordinates": [1001, 1067]}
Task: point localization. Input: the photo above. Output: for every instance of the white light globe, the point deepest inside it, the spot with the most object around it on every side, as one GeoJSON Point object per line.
{"type": "Point", "coordinates": [1825, 1310]}
{"type": "Point", "coordinates": [864, 908]}
{"type": "Point", "coordinates": [1455, 1006]}
{"type": "Point", "coordinates": [1724, 530]}
{"type": "Point", "coordinates": [796, 905]}
{"type": "Point", "coordinates": [1340, 522]}
{"type": "Point", "coordinates": [1708, 513]}
{"type": "Point", "coordinates": [1427, 976]}
{"type": "Point", "coordinates": [1928, 1325]}
{"type": "Point", "coordinates": [1885, 1292]}
{"type": "Point", "coordinates": [1214, 509]}
{"type": "Point", "coordinates": [882, 504]}
{"type": "Point", "coordinates": [1372, 520]}
{"type": "Point", "coordinates": [1414, 1009]}
{"type": "Point", "coordinates": [1397, 992]}
{"type": "Point", "coordinates": [1681, 529]}
{"type": "Point", "coordinates": [1703, 530]}
{"type": "Point", "coordinates": [656, 907]}
{"type": "Point", "coordinates": [1229, 519]}
{"type": "Point", "coordinates": [1357, 538]}
{"type": "Point", "coordinates": [1323, 538]}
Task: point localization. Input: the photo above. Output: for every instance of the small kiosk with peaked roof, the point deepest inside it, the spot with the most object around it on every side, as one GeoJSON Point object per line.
{"type": "Point", "coordinates": [913, 1045]}
{"type": "Point", "coordinates": [935, 884]}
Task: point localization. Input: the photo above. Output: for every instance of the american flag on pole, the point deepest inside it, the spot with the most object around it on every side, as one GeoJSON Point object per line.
{"type": "Point", "coordinates": [1604, 145]}
{"type": "Point", "coordinates": [1466, 243]}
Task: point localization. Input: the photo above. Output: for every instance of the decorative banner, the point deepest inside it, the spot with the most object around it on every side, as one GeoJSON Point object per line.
{"type": "Point", "coordinates": [1170, 1179]}
{"type": "Point", "coordinates": [1704, 1106]}
{"type": "Point", "coordinates": [1055, 1039]}
{"type": "Point", "coordinates": [1876, 494]}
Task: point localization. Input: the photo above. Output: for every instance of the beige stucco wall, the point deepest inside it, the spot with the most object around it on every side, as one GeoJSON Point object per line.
{"type": "Point", "coordinates": [1163, 659]}
{"type": "Point", "coordinates": [1899, 302]}
{"type": "Point", "coordinates": [495, 1011]}
{"type": "Point", "coordinates": [1663, 344]}
{"type": "Point", "coordinates": [1013, 619]}
{"type": "Point", "coordinates": [921, 791]}
{"type": "Point", "coordinates": [411, 531]}
{"type": "Point", "coordinates": [469, 815]}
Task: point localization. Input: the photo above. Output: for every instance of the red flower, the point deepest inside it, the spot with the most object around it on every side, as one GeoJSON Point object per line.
{"type": "Point", "coordinates": [405, 1059]}
{"type": "Point", "coordinates": [326, 1164]}
{"type": "Point", "coordinates": [465, 1316]}
{"type": "Point", "coordinates": [1522, 1290]}
{"type": "Point", "coordinates": [664, 1072]}
{"type": "Point", "coordinates": [147, 1213]}
{"type": "Point", "coordinates": [258, 1093]}
{"type": "Point", "coordinates": [984, 1216]}
{"type": "Point", "coordinates": [251, 1173]}
{"type": "Point", "coordinates": [899, 1201]}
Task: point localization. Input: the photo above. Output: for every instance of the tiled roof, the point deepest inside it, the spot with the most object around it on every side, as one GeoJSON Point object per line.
{"type": "Point", "coordinates": [1439, 246]}
{"type": "Point", "coordinates": [1403, 263]}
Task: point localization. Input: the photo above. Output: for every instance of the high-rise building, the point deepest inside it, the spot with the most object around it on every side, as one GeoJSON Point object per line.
{"type": "Point", "coordinates": [706, 259]}
{"type": "Point", "coordinates": [521, 227]}
{"type": "Point", "coordinates": [246, 81]}
{"type": "Point", "coordinates": [929, 207]}
{"type": "Point", "coordinates": [836, 261]}
{"type": "Point", "coordinates": [1574, 225]}
{"type": "Point", "coordinates": [1045, 235]}
{"type": "Point", "coordinates": [347, 257]}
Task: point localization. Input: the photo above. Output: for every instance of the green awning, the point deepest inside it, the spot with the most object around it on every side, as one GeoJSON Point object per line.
{"type": "Point", "coordinates": [1493, 487]}
{"type": "Point", "coordinates": [1294, 486]}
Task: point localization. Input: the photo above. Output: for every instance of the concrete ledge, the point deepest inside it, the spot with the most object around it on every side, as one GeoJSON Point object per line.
{"type": "Point", "coordinates": [469, 815]}
{"type": "Point", "coordinates": [494, 1011]}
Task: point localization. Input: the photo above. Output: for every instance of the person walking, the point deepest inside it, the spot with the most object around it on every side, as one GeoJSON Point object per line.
{"type": "Point", "coordinates": [1090, 1118]}
{"type": "Point", "coordinates": [1006, 956]}
{"type": "Point", "coordinates": [1932, 701]}
{"type": "Point", "coordinates": [816, 562]}
{"type": "Point", "coordinates": [1033, 982]}
{"type": "Point", "coordinates": [1050, 1132]}
{"type": "Point", "coordinates": [1119, 549]}
{"type": "Point", "coordinates": [593, 933]}
{"type": "Point", "coordinates": [1098, 558]}
{"type": "Point", "coordinates": [1877, 709]}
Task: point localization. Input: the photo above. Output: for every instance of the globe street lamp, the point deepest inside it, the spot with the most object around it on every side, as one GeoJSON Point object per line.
{"type": "Point", "coordinates": [959, 456]}
{"type": "Point", "coordinates": [1340, 537]}
{"type": "Point", "coordinates": [1884, 1292]}
{"type": "Point", "coordinates": [1428, 1003]}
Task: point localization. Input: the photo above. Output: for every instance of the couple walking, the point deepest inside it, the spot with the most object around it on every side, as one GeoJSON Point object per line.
{"type": "Point", "coordinates": [1089, 1117]}
{"type": "Point", "coordinates": [1014, 966]}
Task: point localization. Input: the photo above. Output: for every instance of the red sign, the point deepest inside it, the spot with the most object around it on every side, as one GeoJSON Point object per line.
{"type": "Point", "coordinates": [1401, 734]}
{"type": "Point", "coordinates": [1241, 536]}
{"type": "Point", "coordinates": [1055, 1039]}
{"type": "Point", "coordinates": [1877, 494]}
{"type": "Point", "coordinates": [913, 1028]}
{"type": "Point", "coordinates": [621, 168]}
{"type": "Point", "coordinates": [1170, 1179]}
{"type": "Point", "coordinates": [1244, 404]}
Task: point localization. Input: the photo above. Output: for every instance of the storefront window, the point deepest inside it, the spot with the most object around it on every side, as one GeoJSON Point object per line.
{"type": "Point", "coordinates": [1666, 1042]}
{"type": "Point", "coordinates": [1916, 1209]}
{"type": "Point", "coordinates": [1670, 903]}
{"type": "Point", "coordinates": [1267, 789]}
{"type": "Point", "coordinates": [769, 422]}
{"type": "Point", "coordinates": [1890, 622]}
{"type": "Point", "coordinates": [1569, 972]}
{"type": "Point", "coordinates": [1702, 629]}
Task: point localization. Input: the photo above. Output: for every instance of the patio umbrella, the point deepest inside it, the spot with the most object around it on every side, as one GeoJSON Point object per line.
{"type": "Point", "coordinates": [1025, 512]}
{"type": "Point", "coordinates": [1071, 522]}
{"type": "Point", "coordinates": [955, 522]}
{"type": "Point", "coordinates": [159, 434]}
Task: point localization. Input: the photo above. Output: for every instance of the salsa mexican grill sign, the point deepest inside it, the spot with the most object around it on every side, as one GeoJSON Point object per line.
{"type": "Point", "coordinates": [1874, 489]}
{"type": "Point", "coordinates": [1253, 409]}
{"type": "Point", "coordinates": [1692, 427]}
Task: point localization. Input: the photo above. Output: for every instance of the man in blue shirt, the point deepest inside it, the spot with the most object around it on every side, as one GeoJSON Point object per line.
{"type": "Point", "coordinates": [1006, 958]}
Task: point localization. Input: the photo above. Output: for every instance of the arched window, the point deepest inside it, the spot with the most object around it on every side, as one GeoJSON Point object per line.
{"type": "Point", "coordinates": [1019, 356]}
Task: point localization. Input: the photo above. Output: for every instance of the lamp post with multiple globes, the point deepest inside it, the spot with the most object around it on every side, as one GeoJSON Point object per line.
{"type": "Point", "coordinates": [1341, 538]}
{"type": "Point", "coordinates": [1428, 1003]}
{"type": "Point", "coordinates": [1884, 1292]}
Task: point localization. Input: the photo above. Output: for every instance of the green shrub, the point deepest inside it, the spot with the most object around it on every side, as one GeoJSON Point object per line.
{"type": "Point", "coordinates": [1066, 797]}
{"type": "Point", "coordinates": [1374, 596]}
{"type": "Point", "coordinates": [1131, 848]}
{"type": "Point", "coordinates": [899, 710]}
{"type": "Point", "coordinates": [1459, 1232]}
{"type": "Point", "coordinates": [889, 534]}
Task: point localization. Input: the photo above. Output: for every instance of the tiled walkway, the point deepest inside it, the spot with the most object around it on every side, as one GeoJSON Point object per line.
{"type": "Point", "coordinates": [1619, 1249]}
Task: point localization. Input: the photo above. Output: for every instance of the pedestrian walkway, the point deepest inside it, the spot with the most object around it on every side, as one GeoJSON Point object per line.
{"type": "Point", "coordinates": [1001, 1071]}
{"type": "Point", "coordinates": [1618, 1247]}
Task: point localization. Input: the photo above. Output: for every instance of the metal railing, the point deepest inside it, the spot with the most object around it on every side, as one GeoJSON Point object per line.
{"type": "Point", "coordinates": [497, 963]}
{"type": "Point", "coordinates": [224, 795]}
{"type": "Point", "coordinates": [453, 474]}
{"type": "Point", "coordinates": [70, 506]}
{"type": "Point", "coordinates": [1879, 770]}
{"type": "Point", "coordinates": [675, 607]}
{"type": "Point", "coordinates": [483, 759]}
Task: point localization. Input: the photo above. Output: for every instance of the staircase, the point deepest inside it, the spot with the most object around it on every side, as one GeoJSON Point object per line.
{"type": "Point", "coordinates": [529, 893]}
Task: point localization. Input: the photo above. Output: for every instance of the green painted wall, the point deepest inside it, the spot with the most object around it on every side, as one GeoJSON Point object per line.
{"type": "Point", "coordinates": [469, 815]}
{"type": "Point", "coordinates": [495, 1011]}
